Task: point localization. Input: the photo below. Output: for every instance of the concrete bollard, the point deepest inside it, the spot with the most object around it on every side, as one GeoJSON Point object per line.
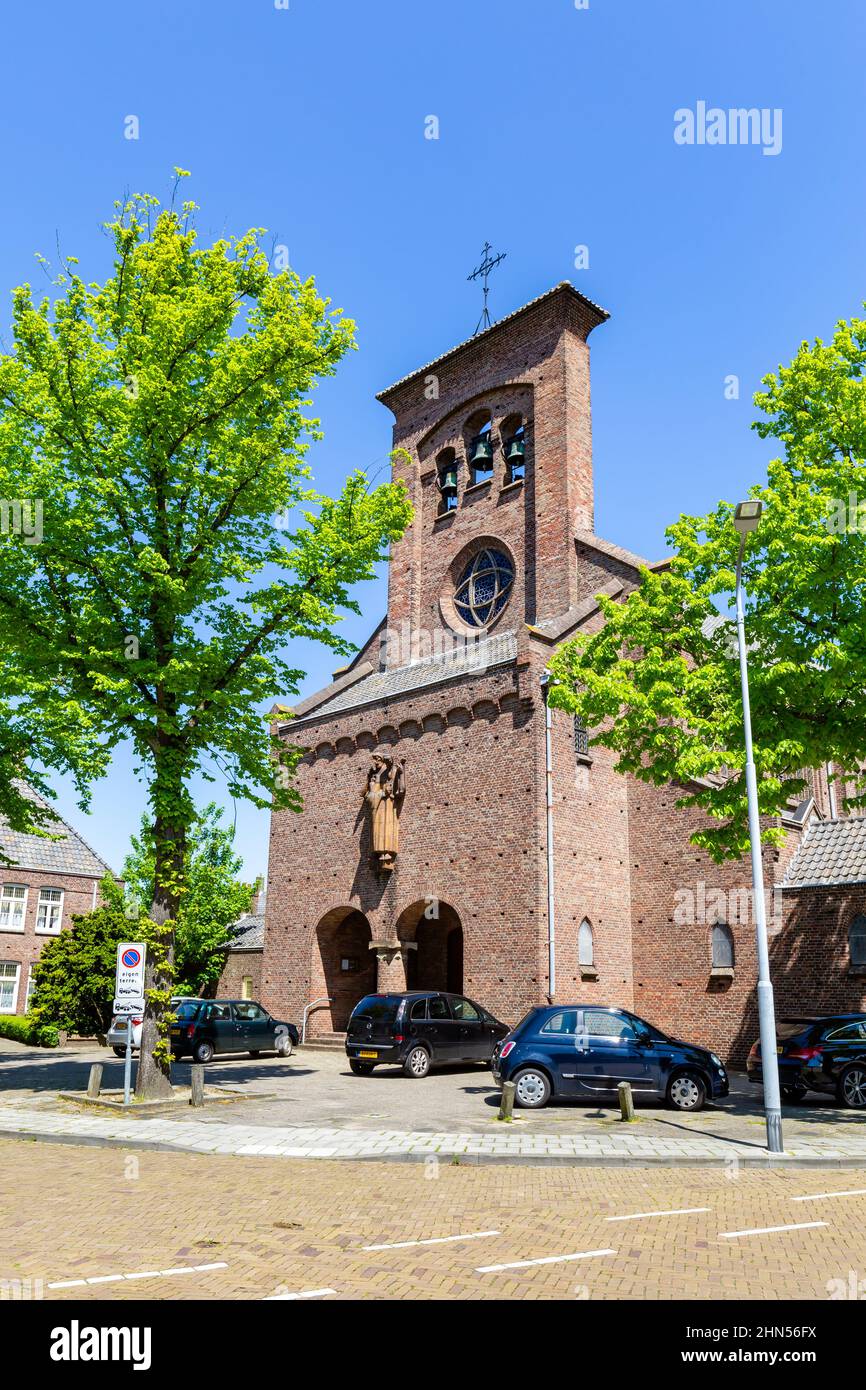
{"type": "Point", "coordinates": [197, 1080]}
{"type": "Point", "coordinates": [506, 1105]}
{"type": "Point", "coordinates": [626, 1101]}
{"type": "Point", "coordinates": [94, 1084]}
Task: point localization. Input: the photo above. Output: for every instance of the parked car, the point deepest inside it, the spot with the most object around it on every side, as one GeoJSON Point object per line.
{"type": "Point", "coordinates": [825, 1054]}
{"type": "Point", "coordinates": [116, 1035]}
{"type": "Point", "coordinates": [419, 1030]}
{"type": "Point", "coordinates": [578, 1050]}
{"type": "Point", "coordinates": [205, 1028]}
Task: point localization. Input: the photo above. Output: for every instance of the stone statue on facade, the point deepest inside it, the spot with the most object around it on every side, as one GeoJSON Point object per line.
{"type": "Point", "coordinates": [384, 792]}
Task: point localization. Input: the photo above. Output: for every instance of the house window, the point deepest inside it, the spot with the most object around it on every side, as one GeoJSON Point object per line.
{"type": "Point", "coordinates": [581, 739]}
{"type": "Point", "coordinates": [31, 989]}
{"type": "Point", "coordinates": [13, 901]}
{"type": "Point", "coordinates": [722, 947]}
{"type": "Point", "coordinates": [9, 972]}
{"type": "Point", "coordinates": [857, 942]}
{"type": "Point", "coordinates": [247, 987]}
{"type": "Point", "coordinates": [49, 911]}
{"type": "Point", "coordinates": [584, 944]}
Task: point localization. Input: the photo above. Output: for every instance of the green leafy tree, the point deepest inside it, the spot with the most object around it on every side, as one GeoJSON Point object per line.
{"type": "Point", "coordinates": [74, 975]}
{"type": "Point", "coordinates": [160, 418]}
{"type": "Point", "coordinates": [213, 897]}
{"type": "Point", "coordinates": [659, 683]}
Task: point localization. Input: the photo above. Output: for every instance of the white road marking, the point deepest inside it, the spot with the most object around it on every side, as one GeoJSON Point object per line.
{"type": "Point", "coordinates": [768, 1230]}
{"type": "Point", "coordinates": [641, 1215]}
{"type": "Point", "coordinates": [432, 1240]}
{"type": "Point", "coordinates": [548, 1260]}
{"type": "Point", "coordinates": [141, 1274]}
{"type": "Point", "coordinates": [822, 1196]}
{"type": "Point", "coordinates": [305, 1293]}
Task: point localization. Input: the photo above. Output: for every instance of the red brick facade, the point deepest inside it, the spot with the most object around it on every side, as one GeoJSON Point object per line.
{"type": "Point", "coordinates": [466, 906]}
{"type": "Point", "coordinates": [21, 947]}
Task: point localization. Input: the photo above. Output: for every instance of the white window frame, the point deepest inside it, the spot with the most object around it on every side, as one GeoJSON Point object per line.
{"type": "Point", "coordinates": [50, 931]}
{"type": "Point", "coordinates": [3, 926]}
{"type": "Point", "coordinates": [16, 985]}
{"type": "Point", "coordinates": [28, 993]}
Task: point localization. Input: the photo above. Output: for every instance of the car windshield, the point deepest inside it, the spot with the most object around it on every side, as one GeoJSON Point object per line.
{"type": "Point", "coordinates": [187, 1011]}
{"type": "Point", "coordinates": [378, 1007]}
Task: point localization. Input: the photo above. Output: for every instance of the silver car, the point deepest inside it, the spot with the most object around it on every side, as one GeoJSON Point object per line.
{"type": "Point", "coordinates": [116, 1035]}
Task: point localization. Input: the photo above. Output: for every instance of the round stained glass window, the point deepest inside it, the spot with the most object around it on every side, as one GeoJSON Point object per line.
{"type": "Point", "coordinates": [484, 586]}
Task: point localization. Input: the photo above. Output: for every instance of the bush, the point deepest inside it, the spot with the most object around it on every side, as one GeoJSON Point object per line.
{"type": "Point", "coordinates": [23, 1028]}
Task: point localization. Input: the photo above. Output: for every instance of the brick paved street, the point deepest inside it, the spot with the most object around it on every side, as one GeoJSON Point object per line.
{"type": "Point", "coordinates": [276, 1227]}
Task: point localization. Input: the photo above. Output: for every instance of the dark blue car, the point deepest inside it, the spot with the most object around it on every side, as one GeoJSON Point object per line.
{"type": "Point", "coordinates": [581, 1050]}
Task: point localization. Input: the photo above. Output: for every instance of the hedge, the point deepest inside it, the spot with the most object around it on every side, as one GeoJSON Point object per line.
{"type": "Point", "coordinates": [24, 1029]}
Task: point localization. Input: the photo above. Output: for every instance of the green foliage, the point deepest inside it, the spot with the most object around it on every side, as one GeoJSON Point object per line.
{"type": "Point", "coordinates": [161, 421]}
{"type": "Point", "coordinates": [660, 683]}
{"type": "Point", "coordinates": [25, 1029]}
{"type": "Point", "coordinates": [74, 975]}
{"type": "Point", "coordinates": [213, 898]}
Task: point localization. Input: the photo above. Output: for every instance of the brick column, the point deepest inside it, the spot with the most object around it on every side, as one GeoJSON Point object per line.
{"type": "Point", "coordinates": [391, 965]}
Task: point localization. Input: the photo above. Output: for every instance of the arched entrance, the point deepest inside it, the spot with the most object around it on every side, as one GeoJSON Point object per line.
{"type": "Point", "coordinates": [344, 968]}
{"type": "Point", "coordinates": [437, 960]}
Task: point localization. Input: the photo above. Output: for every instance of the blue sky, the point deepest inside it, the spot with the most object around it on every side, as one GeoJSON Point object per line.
{"type": "Point", "coordinates": [555, 130]}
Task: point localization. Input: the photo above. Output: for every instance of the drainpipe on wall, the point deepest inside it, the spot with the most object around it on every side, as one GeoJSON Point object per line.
{"type": "Point", "coordinates": [831, 792]}
{"type": "Point", "coordinates": [548, 769]}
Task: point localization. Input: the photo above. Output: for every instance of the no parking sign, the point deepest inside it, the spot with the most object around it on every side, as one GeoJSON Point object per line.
{"type": "Point", "coordinates": [129, 979]}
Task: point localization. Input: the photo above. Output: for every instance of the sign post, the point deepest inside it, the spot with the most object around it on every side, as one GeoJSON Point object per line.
{"type": "Point", "coordinates": [129, 997]}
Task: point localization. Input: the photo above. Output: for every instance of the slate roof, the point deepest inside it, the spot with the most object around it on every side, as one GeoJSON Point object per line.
{"type": "Point", "coordinates": [68, 854]}
{"type": "Point", "coordinates": [833, 853]}
{"type": "Point", "coordinates": [251, 933]}
{"type": "Point", "coordinates": [498, 650]}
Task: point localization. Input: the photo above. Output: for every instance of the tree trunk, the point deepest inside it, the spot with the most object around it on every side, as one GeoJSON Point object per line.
{"type": "Point", "coordinates": [154, 1072]}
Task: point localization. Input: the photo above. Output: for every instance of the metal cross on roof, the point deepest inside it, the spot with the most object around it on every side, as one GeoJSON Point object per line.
{"type": "Point", "coordinates": [488, 263]}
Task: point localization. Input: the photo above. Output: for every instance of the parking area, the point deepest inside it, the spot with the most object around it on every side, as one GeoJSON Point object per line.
{"type": "Point", "coordinates": [316, 1088]}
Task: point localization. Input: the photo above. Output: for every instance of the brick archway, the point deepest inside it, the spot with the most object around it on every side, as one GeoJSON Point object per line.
{"type": "Point", "coordinates": [344, 968]}
{"type": "Point", "coordinates": [437, 961]}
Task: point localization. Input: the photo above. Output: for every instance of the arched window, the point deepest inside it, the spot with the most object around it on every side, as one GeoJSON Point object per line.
{"type": "Point", "coordinates": [584, 944]}
{"type": "Point", "coordinates": [722, 947]}
{"type": "Point", "coordinates": [857, 942]}
{"type": "Point", "coordinates": [479, 447]}
{"type": "Point", "coordinates": [484, 587]}
{"type": "Point", "coordinates": [446, 477]}
{"type": "Point", "coordinates": [514, 448]}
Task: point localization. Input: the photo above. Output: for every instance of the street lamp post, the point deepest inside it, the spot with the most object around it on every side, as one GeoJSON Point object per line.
{"type": "Point", "coordinates": [746, 518]}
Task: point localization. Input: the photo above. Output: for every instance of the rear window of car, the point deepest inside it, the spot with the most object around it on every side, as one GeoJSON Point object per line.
{"type": "Point", "coordinates": [186, 1011]}
{"type": "Point", "coordinates": [790, 1027]}
{"type": "Point", "coordinates": [378, 1007]}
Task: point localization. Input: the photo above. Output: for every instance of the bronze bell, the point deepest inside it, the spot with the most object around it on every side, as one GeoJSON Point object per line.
{"type": "Point", "coordinates": [515, 449]}
{"type": "Point", "coordinates": [481, 449]}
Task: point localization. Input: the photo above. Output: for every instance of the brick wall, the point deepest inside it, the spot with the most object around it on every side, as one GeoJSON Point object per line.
{"type": "Point", "coordinates": [23, 948]}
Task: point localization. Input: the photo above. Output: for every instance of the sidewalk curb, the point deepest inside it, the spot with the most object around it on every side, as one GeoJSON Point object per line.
{"type": "Point", "coordinates": [462, 1160]}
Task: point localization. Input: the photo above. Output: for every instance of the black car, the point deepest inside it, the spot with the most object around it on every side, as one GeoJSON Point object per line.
{"type": "Point", "coordinates": [819, 1054]}
{"type": "Point", "coordinates": [578, 1050]}
{"type": "Point", "coordinates": [204, 1028]}
{"type": "Point", "coordinates": [419, 1030]}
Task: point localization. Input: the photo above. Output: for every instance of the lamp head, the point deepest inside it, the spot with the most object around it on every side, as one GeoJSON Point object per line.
{"type": "Point", "coordinates": [747, 515]}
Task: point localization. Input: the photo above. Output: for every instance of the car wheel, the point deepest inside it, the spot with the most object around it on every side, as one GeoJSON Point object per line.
{"type": "Point", "coordinates": [119, 1051]}
{"type": "Point", "coordinates": [203, 1052]}
{"type": "Point", "coordinates": [285, 1047]}
{"type": "Point", "coordinates": [360, 1068]}
{"type": "Point", "coordinates": [852, 1086]}
{"type": "Point", "coordinates": [687, 1092]}
{"type": "Point", "coordinates": [532, 1089]}
{"type": "Point", "coordinates": [794, 1094]}
{"type": "Point", "coordinates": [417, 1063]}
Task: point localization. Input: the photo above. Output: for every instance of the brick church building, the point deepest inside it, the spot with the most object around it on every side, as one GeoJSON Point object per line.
{"type": "Point", "coordinates": [500, 564]}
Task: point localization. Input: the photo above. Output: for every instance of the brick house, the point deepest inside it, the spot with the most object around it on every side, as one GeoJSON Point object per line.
{"type": "Point", "coordinates": [47, 882]}
{"type": "Point", "coordinates": [500, 564]}
{"type": "Point", "coordinates": [241, 976]}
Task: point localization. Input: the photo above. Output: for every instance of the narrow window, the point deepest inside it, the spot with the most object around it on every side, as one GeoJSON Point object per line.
{"type": "Point", "coordinates": [722, 947]}
{"type": "Point", "coordinates": [247, 987]}
{"type": "Point", "coordinates": [857, 941]}
{"type": "Point", "coordinates": [581, 739]}
{"type": "Point", "coordinates": [584, 945]}
{"type": "Point", "coordinates": [49, 911]}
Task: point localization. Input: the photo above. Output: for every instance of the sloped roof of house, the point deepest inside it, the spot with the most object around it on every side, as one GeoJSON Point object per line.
{"type": "Point", "coordinates": [68, 853]}
{"type": "Point", "coordinates": [250, 933]}
{"type": "Point", "coordinates": [832, 854]}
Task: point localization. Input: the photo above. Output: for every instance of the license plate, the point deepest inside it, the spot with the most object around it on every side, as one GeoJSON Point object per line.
{"type": "Point", "coordinates": [120, 1025]}
{"type": "Point", "coordinates": [780, 1050]}
{"type": "Point", "coordinates": [368, 1054]}
{"type": "Point", "coordinates": [175, 1032]}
